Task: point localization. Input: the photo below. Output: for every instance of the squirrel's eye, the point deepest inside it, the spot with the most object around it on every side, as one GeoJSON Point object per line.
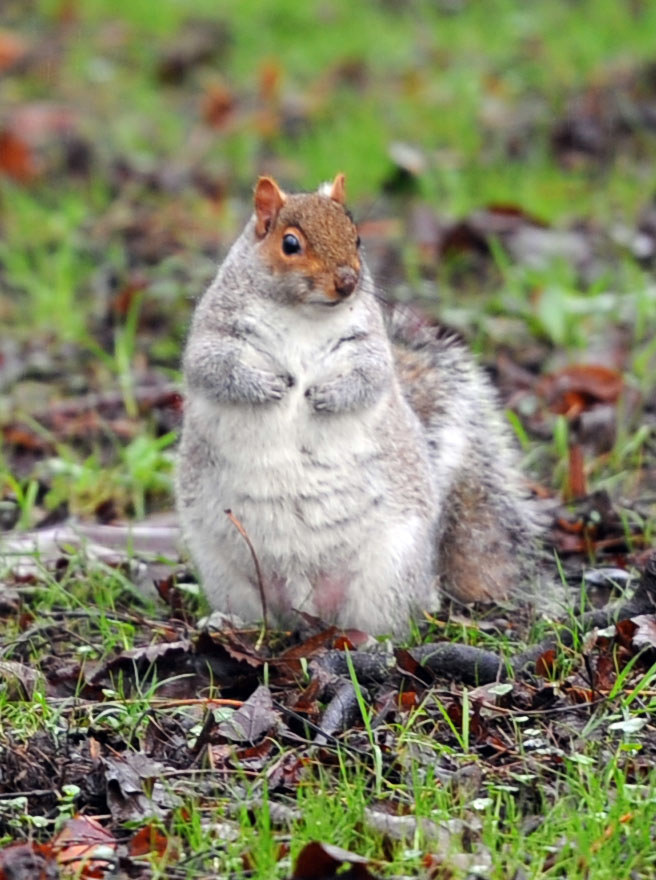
{"type": "Point", "coordinates": [290, 244]}
{"type": "Point", "coordinates": [358, 242]}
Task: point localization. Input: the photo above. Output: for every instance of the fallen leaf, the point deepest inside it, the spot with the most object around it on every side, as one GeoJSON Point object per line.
{"type": "Point", "coordinates": [134, 791]}
{"type": "Point", "coordinates": [645, 634]}
{"type": "Point", "coordinates": [545, 665]}
{"type": "Point", "coordinates": [166, 655]}
{"type": "Point", "coordinates": [290, 660]}
{"type": "Point", "coordinates": [28, 861]}
{"type": "Point", "coordinates": [241, 649]}
{"type": "Point", "coordinates": [625, 632]}
{"type": "Point", "coordinates": [150, 839]}
{"type": "Point", "coordinates": [578, 386]}
{"type": "Point", "coordinates": [85, 848]}
{"type": "Point", "coordinates": [218, 104]}
{"type": "Point", "coordinates": [321, 861]}
{"type": "Point", "coordinates": [199, 42]}
{"type": "Point", "coordinates": [13, 48]}
{"type": "Point", "coordinates": [16, 159]}
{"type": "Point", "coordinates": [576, 480]}
{"type": "Point", "coordinates": [253, 720]}
{"type": "Point", "coordinates": [19, 681]}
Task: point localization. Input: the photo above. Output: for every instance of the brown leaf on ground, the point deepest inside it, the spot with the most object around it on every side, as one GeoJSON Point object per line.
{"type": "Point", "coordinates": [289, 661]}
{"type": "Point", "coordinates": [579, 386]}
{"type": "Point", "coordinates": [238, 647]}
{"type": "Point", "coordinates": [18, 680]}
{"type": "Point", "coordinates": [545, 665]}
{"type": "Point", "coordinates": [625, 631]}
{"type": "Point", "coordinates": [576, 480]}
{"type": "Point", "coordinates": [253, 720]}
{"type": "Point", "coordinates": [218, 105]}
{"type": "Point", "coordinates": [199, 42]}
{"type": "Point", "coordinates": [28, 861]}
{"type": "Point", "coordinates": [167, 657]}
{"type": "Point", "coordinates": [645, 634]}
{"type": "Point", "coordinates": [322, 861]}
{"type": "Point", "coordinates": [134, 789]}
{"type": "Point", "coordinates": [16, 158]}
{"type": "Point", "coordinates": [13, 48]}
{"type": "Point", "coordinates": [149, 840]}
{"type": "Point", "coordinates": [288, 772]}
{"type": "Point", "coordinates": [84, 848]}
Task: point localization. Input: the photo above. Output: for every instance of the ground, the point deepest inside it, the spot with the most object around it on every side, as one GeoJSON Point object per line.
{"type": "Point", "coordinates": [499, 160]}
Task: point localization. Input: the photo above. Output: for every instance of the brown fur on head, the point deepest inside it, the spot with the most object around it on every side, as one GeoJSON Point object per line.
{"type": "Point", "coordinates": [308, 241]}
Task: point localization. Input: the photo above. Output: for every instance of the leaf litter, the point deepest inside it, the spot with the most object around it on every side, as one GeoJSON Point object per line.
{"type": "Point", "coordinates": [215, 710]}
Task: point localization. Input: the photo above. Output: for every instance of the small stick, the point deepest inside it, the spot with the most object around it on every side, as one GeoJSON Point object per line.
{"type": "Point", "coordinates": [258, 571]}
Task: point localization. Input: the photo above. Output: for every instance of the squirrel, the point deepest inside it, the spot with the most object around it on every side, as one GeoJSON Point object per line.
{"type": "Point", "coordinates": [364, 454]}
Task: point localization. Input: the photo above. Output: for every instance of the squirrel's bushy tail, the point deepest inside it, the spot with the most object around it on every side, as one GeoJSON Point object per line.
{"type": "Point", "coordinates": [487, 531]}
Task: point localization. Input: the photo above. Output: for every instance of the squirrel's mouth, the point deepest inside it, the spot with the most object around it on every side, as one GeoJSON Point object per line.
{"type": "Point", "coordinates": [327, 303]}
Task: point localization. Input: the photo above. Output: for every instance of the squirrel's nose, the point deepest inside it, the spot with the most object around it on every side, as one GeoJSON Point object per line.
{"type": "Point", "coordinates": [346, 280]}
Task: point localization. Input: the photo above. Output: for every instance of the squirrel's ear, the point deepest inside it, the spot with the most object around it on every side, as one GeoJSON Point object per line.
{"type": "Point", "coordinates": [269, 199]}
{"type": "Point", "coordinates": [338, 189]}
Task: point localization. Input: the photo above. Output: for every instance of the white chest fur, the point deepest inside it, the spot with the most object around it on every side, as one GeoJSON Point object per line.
{"type": "Point", "coordinates": [312, 489]}
{"type": "Point", "coordinates": [284, 466]}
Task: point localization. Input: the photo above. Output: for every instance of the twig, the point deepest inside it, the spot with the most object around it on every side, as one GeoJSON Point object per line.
{"type": "Point", "coordinates": [464, 662]}
{"type": "Point", "coordinates": [258, 571]}
{"type": "Point", "coordinates": [643, 602]}
{"type": "Point", "coordinates": [478, 666]}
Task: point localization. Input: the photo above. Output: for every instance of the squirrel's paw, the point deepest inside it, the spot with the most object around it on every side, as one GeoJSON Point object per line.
{"type": "Point", "coordinates": [272, 386]}
{"type": "Point", "coordinates": [324, 398]}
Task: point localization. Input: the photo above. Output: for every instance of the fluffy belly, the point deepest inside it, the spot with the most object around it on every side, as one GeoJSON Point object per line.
{"type": "Point", "coordinates": [302, 485]}
{"type": "Point", "coordinates": [334, 534]}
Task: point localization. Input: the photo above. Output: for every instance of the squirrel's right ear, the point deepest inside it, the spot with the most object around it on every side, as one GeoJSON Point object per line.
{"type": "Point", "coordinates": [269, 199]}
{"type": "Point", "coordinates": [338, 188]}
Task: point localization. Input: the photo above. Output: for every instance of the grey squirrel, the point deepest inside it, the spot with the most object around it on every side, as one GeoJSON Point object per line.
{"type": "Point", "coordinates": [364, 454]}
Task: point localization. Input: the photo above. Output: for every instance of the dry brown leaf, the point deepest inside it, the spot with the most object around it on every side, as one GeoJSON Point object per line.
{"type": "Point", "coordinates": [645, 634]}
{"type": "Point", "coordinates": [545, 665]}
{"type": "Point", "coordinates": [28, 861]}
{"type": "Point", "coordinates": [576, 480]}
{"type": "Point", "coordinates": [321, 861]}
{"type": "Point", "coordinates": [253, 720]}
{"type": "Point", "coordinates": [13, 48]}
{"type": "Point", "coordinates": [16, 159]}
{"type": "Point", "coordinates": [85, 848]}
{"type": "Point", "coordinates": [578, 386]}
{"type": "Point", "coordinates": [19, 681]}
{"type": "Point", "coordinates": [218, 105]}
{"type": "Point", "coordinates": [147, 840]}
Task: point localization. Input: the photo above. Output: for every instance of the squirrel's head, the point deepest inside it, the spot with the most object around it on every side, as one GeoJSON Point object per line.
{"type": "Point", "coordinates": [308, 242]}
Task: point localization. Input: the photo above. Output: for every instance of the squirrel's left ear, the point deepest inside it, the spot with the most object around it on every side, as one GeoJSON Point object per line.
{"type": "Point", "coordinates": [269, 199]}
{"type": "Point", "coordinates": [338, 189]}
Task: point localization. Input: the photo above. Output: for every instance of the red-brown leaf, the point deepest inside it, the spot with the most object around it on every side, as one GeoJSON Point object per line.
{"type": "Point", "coordinates": [579, 385]}
{"type": "Point", "coordinates": [82, 846]}
{"type": "Point", "coordinates": [12, 49]}
{"type": "Point", "coordinates": [546, 663]}
{"type": "Point", "coordinates": [16, 159]}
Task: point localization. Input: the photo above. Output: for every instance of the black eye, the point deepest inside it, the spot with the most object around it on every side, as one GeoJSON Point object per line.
{"type": "Point", "coordinates": [290, 244]}
{"type": "Point", "coordinates": [358, 242]}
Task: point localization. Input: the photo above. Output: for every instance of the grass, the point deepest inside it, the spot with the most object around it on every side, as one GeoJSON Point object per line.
{"type": "Point", "coordinates": [459, 83]}
{"type": "Point", "coordinates": [443, 82]}
{"type": "Point", "coordinates": [562, 808]}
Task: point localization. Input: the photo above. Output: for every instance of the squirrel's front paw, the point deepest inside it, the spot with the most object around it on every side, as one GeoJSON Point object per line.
{"type": "Point", "coordinates": [273, 386]}
{"type": "Point", "coordinates": [324, 398]}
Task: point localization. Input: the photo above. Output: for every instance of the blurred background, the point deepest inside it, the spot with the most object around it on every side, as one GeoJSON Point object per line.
{"type": "Point", "coordinates": [499, 159]}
